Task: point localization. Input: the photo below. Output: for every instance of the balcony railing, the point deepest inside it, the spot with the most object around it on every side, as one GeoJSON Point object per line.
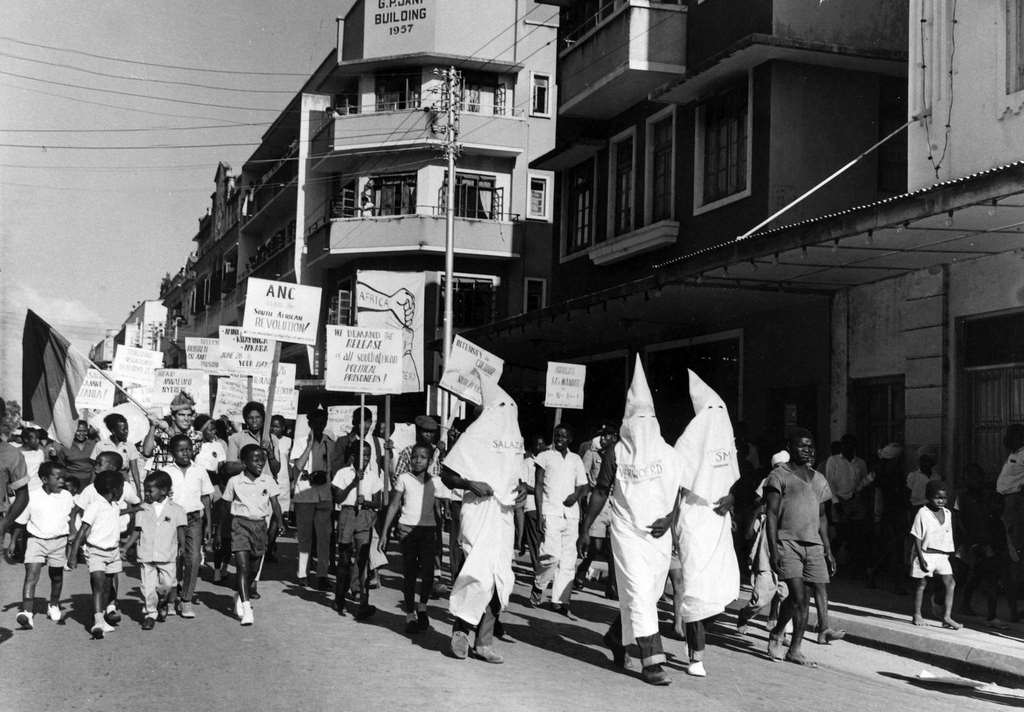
{"type": "Point", "coordinates": [578, 27]}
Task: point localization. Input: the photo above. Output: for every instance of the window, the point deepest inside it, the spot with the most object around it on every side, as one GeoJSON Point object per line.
{"type": "Point", "coordinates": [540, 99]}
{"type": "Point", "coordinates": [724, 122]}
{"type": "Point", "coordinates": [482, 94]}
{"type": "Point", "coordinates": [661, 166]}
{"type": "Point", "coordinates": [622, 157]}
{"type": "Point", "coordinates": [538, 207]}
{"type": "Point", "coordinates": [473, 300]}
{"type": "Point", "coordinates": [393, 194]}
{"type": "Point", "coordinates": [534, 293]}
{"type": "Point", "coordinates": [1014, 46]}
{"type": "Point", "coordinates": [580, 205]}
{"type": "Point", "coordinates": [476, 196]}
{"type": "Point", "coordinates": [396, 92]}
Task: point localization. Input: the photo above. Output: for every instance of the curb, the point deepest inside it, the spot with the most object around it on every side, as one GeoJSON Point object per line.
{"type": "Point", "coordinates": [962, 658]}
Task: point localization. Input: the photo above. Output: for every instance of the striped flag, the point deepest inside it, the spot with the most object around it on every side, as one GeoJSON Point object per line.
{"type": "Point", "coordinates": [52, 373]}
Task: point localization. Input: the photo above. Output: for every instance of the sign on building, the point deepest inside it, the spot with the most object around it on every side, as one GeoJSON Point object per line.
{"type": "Point", "coordinates": [281, 311]}
{"type": "Point", "coordinates": [469, 364]}
{"type": "Point", "coordinates": [364, 360]}
{"type": "Point", "coordinates": [564, 387]}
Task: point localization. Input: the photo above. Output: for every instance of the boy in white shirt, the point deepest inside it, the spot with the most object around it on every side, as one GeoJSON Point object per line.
{"type": "Point", "coordinates": [101, 533]}
{"type": "Point", "coordinates": [192, 490]}
{"type": "Point", "coordinates": [160, 533]}
{"type": "Point", "coordinates": [253, 497]}
{"type": "Point", "coordinates": [47, 519]}
{"type": "Point", "coordinates": [359, 489]}
{"type": "Point", "coordinates": [933, 545]}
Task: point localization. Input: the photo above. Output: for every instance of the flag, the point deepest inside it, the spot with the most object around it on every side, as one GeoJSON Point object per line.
{"type": "Point", "coordinates": [52, 373]}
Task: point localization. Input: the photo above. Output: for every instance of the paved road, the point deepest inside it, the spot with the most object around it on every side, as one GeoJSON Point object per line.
{"type": "Point", "coordinates": [301, 655]}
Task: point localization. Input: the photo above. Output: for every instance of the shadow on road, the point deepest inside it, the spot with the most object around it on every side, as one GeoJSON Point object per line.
{"type": "Point", "coordinates": [968, 693]}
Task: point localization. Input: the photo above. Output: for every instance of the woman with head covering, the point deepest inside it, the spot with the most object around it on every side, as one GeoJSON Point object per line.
{"type": "Point", "coordinates": [640, 477]}
{"type": "Point", "coordinates": [711, 578]}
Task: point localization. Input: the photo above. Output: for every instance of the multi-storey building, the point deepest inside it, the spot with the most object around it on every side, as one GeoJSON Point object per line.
{"type": "Point", "coordinates": [681, 126]}
{"type": "Point", "coordinates": [144, 327]}
{"type": "Point", "coordinates": [350, 175]}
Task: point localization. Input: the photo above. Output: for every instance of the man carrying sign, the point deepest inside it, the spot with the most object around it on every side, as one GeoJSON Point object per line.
{"type": "Point", "coordinates": [640, 474]}
{"type": "Point", "coordinates": [486, 464]}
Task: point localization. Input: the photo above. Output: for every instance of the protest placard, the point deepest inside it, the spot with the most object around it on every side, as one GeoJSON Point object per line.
{"type": "Point", "coordinates": [363, 360]}
{"type": "Point", "coordinates": [132, 365]}
{"type": "Point", "coordinates": [281, 311]}
{"type": "Point", "coordinates": [339, 422]}
{"type": "Point", "coordinates": [95, 393]}
{"type": "Point", "coordinates": [564, 388]}
{"type": "Point", "coordinates": [286, 404]}
{"type": "Point", "coordinates": [394, 300]}
{"type": "Point", "coordinates": [202, 354]}
{"type": "Point", "coordinates": [244, 355]}
{"type": "Point", "coordinates": [459, 377]}
{"type": "Point", "coordinates": [232, 395]}
{"type": "Point", "coordinates": [169, 382]}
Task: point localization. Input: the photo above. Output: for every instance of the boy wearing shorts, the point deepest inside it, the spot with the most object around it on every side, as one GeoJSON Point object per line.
{"type": "Point", "coordinates": [101, 533]}
{"type": "Point", "coordinates": [47, 519]}
{"type": "Point", "coordinates": [253, 497]}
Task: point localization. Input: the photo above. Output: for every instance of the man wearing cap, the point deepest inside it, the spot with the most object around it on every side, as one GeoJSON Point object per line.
{"type": "Point", "coordinates": [183, 412]}
{"type": "Point", "coordinates": [600, 532]}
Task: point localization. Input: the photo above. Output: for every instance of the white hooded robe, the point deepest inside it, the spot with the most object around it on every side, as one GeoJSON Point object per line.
{"type": "Point", "coordinates": [491, 451]}
{"type": "Point", "coordinates": [707, 448]}
{"type": "Point", "coordinates": [645, 489]}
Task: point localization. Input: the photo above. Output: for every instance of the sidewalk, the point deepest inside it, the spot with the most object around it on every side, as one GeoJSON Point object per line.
{"type": "Point", "coordinates": [881, 619]}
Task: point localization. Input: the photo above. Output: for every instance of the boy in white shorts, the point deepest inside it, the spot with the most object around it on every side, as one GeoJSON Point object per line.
{"type": "Point", "coordinates": [932, 531]}
{"type": "Point", "coordinates": [101, 534]}
{"type": "Point", "coordinates": [47, 519]}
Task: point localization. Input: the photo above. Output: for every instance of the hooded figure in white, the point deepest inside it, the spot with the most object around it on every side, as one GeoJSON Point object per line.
{"type": "Point", "coordinates": [489, 452]}
{"type": "Point", "coordinates": [640, 478]}
{"type": "Point", "coordinates": [703, 528]}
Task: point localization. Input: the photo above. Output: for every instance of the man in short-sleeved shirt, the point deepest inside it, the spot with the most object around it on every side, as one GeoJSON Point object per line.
{"type": "Point", "coordinates": [561, 481]}
{"type": "Point", "coordinates": [797, 533]}
{"type": "Point", "coordinates": [13, 475]}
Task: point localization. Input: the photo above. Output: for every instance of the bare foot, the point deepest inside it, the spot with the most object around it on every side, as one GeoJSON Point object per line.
{"type": "Point", "coordinates": [948, 622]}
{"type": "Point", "coordinates": [919, 620]}
{"type": "Point", "coordinates": [798, 659]}
{"type": "Point", "coordinates": [775, 647]}
{"type": "Point", "coordinates": [825, 637]}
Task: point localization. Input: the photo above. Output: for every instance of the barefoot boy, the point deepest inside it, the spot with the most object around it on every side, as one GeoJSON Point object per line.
{"type": "Point", "coordinates": [933, 545]}
{"type": "Point", "coordinates": [47, 519]}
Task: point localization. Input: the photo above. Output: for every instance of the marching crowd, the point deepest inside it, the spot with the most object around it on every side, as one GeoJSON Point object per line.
{"type": "Point", "coordinates": [690, 518]}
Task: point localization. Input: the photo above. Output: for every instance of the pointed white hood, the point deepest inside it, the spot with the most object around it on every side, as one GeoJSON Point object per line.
{"type": "Point", "coordinates": [491, 449]}
{"type": "Point", "coordinates": [708, 446]}
{"type": "Point", "coordinates": [640, 434]}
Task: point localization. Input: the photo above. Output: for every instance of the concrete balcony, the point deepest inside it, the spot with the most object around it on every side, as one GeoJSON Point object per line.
{"type": "Point", "coordinates": [618, 56]}
{"type": "Point", "coordinates": [353, 140]}
{"type": "Point", "coordinates": [411, 234]}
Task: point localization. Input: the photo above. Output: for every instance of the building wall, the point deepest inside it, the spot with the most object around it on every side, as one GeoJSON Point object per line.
{"type": "Point", "coordinates": [986, 123]}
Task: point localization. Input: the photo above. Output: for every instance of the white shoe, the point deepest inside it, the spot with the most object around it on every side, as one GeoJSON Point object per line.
{"type": "Point", "coordinates": [247, 618]}
{"type": "Point", "coordinates": [239, 607]}
{"type": "Point", "coordinates": [696, 669]}
{"type": "Point", "coordinates": [53, 613]}
{"type": "Point", "coordinates": [98, 630]}
{"type": "Point", "coordinates": [24, 619]}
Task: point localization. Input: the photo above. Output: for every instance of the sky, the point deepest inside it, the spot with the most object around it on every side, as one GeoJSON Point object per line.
{"type": "Point", "coordinates": [85, 233]}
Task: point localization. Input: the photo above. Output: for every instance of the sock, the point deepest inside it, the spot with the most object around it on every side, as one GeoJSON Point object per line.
{"type": "Point", "coordinates": [247, 605]}
{"type": "Point", "coordinates": [111, 607]}
{"type": "Point", "coordinates": [303, 564]}
{"type": "Point", "coordinates": [97, 619]}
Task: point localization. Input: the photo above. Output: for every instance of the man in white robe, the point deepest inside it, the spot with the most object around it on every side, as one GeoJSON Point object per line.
{"type": "Point", "coordinates": [486, 463]}
{"type": "Point", "coordinates": [703, 529]}
{"type": "Point", "coordinates": [640, 476]}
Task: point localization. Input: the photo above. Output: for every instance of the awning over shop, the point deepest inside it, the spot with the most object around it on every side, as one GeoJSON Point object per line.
{"type": "Point", "coordinates": [954, 221]}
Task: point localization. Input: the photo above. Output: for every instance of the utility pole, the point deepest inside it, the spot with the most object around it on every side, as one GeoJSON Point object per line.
{"type": "Point", "coordinates": [451, 95]}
